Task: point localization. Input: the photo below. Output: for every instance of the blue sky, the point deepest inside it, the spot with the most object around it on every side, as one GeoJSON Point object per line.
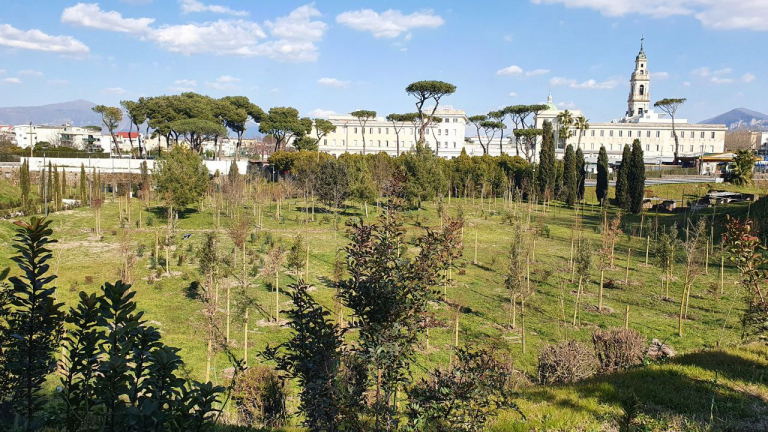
{"type": "Point", "coordinates": [336, 56]}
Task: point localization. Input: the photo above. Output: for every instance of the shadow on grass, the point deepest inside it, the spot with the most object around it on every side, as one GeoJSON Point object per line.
{"type": "Point", "coordinates": [161, 213]}
{"type": "Point", "coordinates": [675, 390]}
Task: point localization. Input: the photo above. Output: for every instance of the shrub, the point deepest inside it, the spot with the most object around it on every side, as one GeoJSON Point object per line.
{"type": "Point", "coordinates": [259, 396]}
{"type": "Point", "coordinates": [566, 362]}
{"type": "Point", "coordinates": [618, 348]}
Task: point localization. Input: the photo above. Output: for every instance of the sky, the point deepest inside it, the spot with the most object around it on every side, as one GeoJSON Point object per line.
{"type": "Point", "coordinates": [332, 57]}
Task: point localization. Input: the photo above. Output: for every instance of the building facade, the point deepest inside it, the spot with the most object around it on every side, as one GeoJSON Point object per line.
{"type": "Point", "coordinates": [445, 137]}
{"type": "Point", "coordinates": [654, 130]}
{"type": "Point", "coordinates": [81, 138]}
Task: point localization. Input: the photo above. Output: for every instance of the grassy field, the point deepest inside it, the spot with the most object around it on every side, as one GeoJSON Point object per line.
{"type": "Point", "coordinates": [676, 392]}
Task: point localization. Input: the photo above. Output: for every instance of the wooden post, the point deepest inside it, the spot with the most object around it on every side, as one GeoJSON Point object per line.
{"type": "Point", "coordinates": [157, 249]}
{"type": "Point", "coordinates": [629, 258]}
{"type": "Point", "coordinates": [245, 338]}
{"type": "Point", "coordinates": [475, 260]}
{"type": "Point", "coordinates": [722, 268]}
{"type": "Point", "coordinates": [600, 296]}
{"type": "Point", "coordinates": [706, 259]}
{"type": "Point", "coordinates": [626, 318]}
{"type": "Point", "coordinates": [277, 298]}
{"type": "Point", "coordinates": [456, 328]}
{"type": "Point", "coordinates": [228, 310]}
{"type": "Point", "coordinates": [306, 264]}
{"type": "Point", "coordinates": [533, 250]}
{"type": "Point", "coordinates": [522, 323]}
{"type": "Point", "coordinates": [647, 248]}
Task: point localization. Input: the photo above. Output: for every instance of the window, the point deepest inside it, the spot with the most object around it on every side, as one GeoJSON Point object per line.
{"type": "Point", "coordinates": [702, 149]}
{"type": "Point", "coordinates": [325, 142]}
{"type": "Point", "coordinates": [592, 146]}
{"type": "Point", "coordinates": [682, 134]}
{"type": "Point", "coordinates": [629, 134]}
{"type": "Point", "coordinates": [593, 133]}
{"type": "Point", "coordinates": [610, 133]}
{"type": "Point", "coordinates": [648, 134]}
{"type": "Point", "coordinates": [658, 134]}
{"type": "Point", "coordinates": [355, 143]}
{"type": "Point", "coordinates": [712, 148]}
{"type": "Point", "coordinates": [642, 93]}
{"type": "Point", "coordinates": [379, 130]}
{"type": "Point", "coordinates": [379, 143]}
{"type": "Point", "coordinates": [657, 148]}
{"type": "Point", "coordinates": [355, 130]}
{"type": "Point", "coordinates": [602, 133]}
{"type": "Point", "coordinates": [647, 147]}
{"type": "Point", "coordinates": [370, 130]}
{"type": "Point", "coordinates": [691, 149]}
{"type": "Point", "coordinates": [334, 143]}
{"type": "Point", "coordinates": [702, 134]}
{"type": "Point", "coordinates": [610, 146]}
{"type": "Point", "coordinates": [446, 132]}
{"type": "Point", "coordinates": [438, 132]}
{"type": "Point", "coordinates": [454, 143]}
{"type": "Point", "coordinates": [343, 142]}
{"type": "Point", "coordinates": [713, 135]}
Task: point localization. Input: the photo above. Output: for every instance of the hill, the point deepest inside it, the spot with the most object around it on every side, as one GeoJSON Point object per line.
{"type": "Point", "coordinates": [740, 117]}
{"type": "Point", "coordinates": [76, 113]}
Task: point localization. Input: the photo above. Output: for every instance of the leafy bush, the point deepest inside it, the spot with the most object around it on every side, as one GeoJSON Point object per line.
{"type": "Point", "coordinates": [618, 348]}
{"type": "Point", "coordinates": [566, 362]}
{"type": "Point", "coordinates": [259, 396]}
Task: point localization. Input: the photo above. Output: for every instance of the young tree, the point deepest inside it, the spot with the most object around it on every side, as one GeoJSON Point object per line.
{"type": "Point", "coordinates": [242, 110]}
{"type": "Point", "coordinates": [636, 178]}
{"type": "Point", "coordinates": [547, 162]}
{"type": "Point", "coordinates": [333, 185]}
{"type": "Point", "coordinates": [570, 176]}
{"type": "Point", "coordinates": [83, 186]}
{"type": "Point", "coordinates": [398, 122]}
{"type": "Point", "coordinates": [424, 91]}
{"type": "Point", "coordinates": [670, 106]}
{"type": "Point", "coordinates": [389, 294]}
{"type": "Point", "coordinates": [749, 256]}
{"type": "Point", "coordinates": [529, 137]}
{"type": "Point", "coordinates": [363, 117]}
{"type": "Point", "coordinates": [583, 264]}
{"type": "Point", "coordinates": [664, 253]}
{"type": "Point", "coordinates": [515, 281]}
{"type": "Point", "coordinates": [181, 178]}
{"type": "Point", "coordinates": [312, 357]}
{"type": "Point", "coordinates": [489, 127]}
{"type": "Point", "coordinates": [137, 115]}
{"type": "Point", "coordinates": [694, 248]}
{"type": "Point", "coordinates": [24, 185]}
{"type": "Point", "coordinates": [110, 118]}
{"type": "Point", "coordinates": [31, 322]}
{"type": "Point", "coordinates": [601, 190]}
{"type": "Point", "coordinates": [581, 170]}
{"type": "Point", "coordinates": [295, 259]}
{"type": "Point", "coordinates": [622, 180]}
{"type": "Point", "coordinates": [196, 131]}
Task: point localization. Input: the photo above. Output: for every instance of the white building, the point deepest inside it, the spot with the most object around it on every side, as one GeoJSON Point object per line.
{"type": "Point", "coordinates": [70, 136]}
{"type": "Point", "coordinates": [654, 130]}
{"type": "Point", "coordinates": [446, 137]}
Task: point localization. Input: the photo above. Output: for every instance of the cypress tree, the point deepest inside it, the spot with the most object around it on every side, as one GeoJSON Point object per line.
{"type": "Point", "coordinates": [581, 169]}
{"type": "Point", "coordinates": [56, 192]}
{"type": "Point", "coordinates": [570, 176]}
{"type": "Point", "coordinates": [622, 188]}
{"type": "Point", "coordinates": [24, 184]}
{"type": "Point", "coordinates": [636, 178]}
{"type": "Point", "coordinates": [83, 186]}
{"type": "Point", "coordinates": [547, 167]}
{"type": "Point", "coordinates": [558, 188]}
{"type": "Point", "coordinates": [602, 175]}
{"type": "Point", "coordinates": [63, 183]}
{"type": "Point", "coordinates": [49, 189]}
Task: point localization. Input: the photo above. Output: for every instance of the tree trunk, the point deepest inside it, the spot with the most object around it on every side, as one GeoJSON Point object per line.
{"type": "Point", "coordinates": [578, 298]}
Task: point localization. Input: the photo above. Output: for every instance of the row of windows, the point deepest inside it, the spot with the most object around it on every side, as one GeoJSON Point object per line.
{"type": "Point", "coordinates": [649, 147]}
{"type": "Point", "coordinates": [415, 130]}
{"type": "Point", "coordinates": [639, 134]}
{"type": "Point", "coordinates": [446, 144]}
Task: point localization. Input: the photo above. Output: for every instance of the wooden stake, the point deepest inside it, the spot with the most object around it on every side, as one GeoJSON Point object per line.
{"type": "Point", "coordinates": [629, 258]}
{"type": "Point", "coordinates": [475, 260]}
{"type": "Point", "coordinates": [626, 318]}
{"type": "Point", "coordinates": [522, 322]}
{"type": "Point", "coordinates": [647, 248]}
{"type": "Point", "coordinates": [600, 296]}
{"type": "Point", "coordinates": [706, 259]}
{"type": "Point", "coordinates": [245, 338]}
{"type": "Point", "coordinates": [456, 328]}
{"type": "Point", "coordinates": [722, 269]}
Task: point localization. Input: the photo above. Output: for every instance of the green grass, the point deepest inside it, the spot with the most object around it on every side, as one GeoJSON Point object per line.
{"type": "Point", "coordinates": [84, 262]}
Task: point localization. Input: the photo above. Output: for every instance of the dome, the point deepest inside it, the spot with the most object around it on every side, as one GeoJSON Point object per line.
{"type": "Point", "coordinates": [550, 105]}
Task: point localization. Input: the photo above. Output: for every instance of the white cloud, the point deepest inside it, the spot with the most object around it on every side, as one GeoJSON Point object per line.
{"type": "Point", "coordinates": [176, 89]}
{"type": "Point", "coordinates": [224, 82]}
{"type": "Point", "coordinates": [589, 84]}
{"type": "Point", "coordinates": [510, 70]}
{"type": "Point", "coordinates": [537, 72]}
{"type": "Point", "coordinates": [12, 81]}
{"type": "Point", "coordinates": [294, 37]}
{"type": "Point", "coordinates": [39, 41]}
{"type": "Point", "coordinates": [389, 24]}
{"type": "Point", "coordinates": [718, 80]}
{"type": "Point", "coordinates": [2, 71]}
{"type": "Point", "coordinates": [30, 72]}
{"type": "Point", "coordinates": [713, 14]}
{"type": "Point", "coordinates": [89, 15]}
{"type": "Point", "coordinates": [114, 91]}
{"type": "Point", "coordinates": [747, 78]}
{"type": "Point", "coordinates": [513, 94]}
{"type": "Point", "coordinates": [509, 38]}
{"type": "Point", "coordinates": [725, 71]}
{"type": "Point", "coordinates": [661, 76]}
{"type": "Point", "coordinates": [321, 113]}
{"type": "Point", "coordinates": [190, 6]}
{"type": "Point", "coordinates": [57, 82]}
{"type": "Point", "coordinates": [566, 105]}
{"type": "Point", "coordinates": [701, 72]}
{"type": "Point", "coordinates": [275, 90]}
{"type": "Point", "coordinates": [185, 82]}
{"type": "Point", "coordinates": [687, 83]}
{"type": "Point", "coordinates": [333, 82]}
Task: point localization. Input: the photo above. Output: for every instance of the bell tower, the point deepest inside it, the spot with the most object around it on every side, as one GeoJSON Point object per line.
{"type": "Point", "coordinates": [639, 101]}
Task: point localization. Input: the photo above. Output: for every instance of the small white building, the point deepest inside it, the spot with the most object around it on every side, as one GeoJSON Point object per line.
{"type": "Point", "coordinates": [66, 135]}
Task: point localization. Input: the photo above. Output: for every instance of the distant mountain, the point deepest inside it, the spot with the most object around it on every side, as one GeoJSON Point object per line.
{"type": "Point", "coordinates": [740, 117]}
{"type": "Point", "coordinates": [75, 113]}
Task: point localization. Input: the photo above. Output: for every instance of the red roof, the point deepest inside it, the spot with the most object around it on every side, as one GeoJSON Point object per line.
{"type": "Point", "coordinates": [128, 134]}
